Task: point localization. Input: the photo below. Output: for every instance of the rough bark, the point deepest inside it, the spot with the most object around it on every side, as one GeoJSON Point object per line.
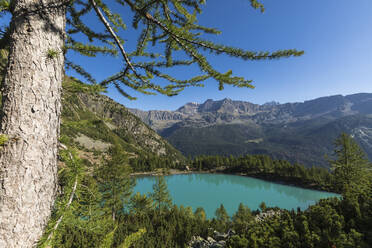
{"type": "Point", "coordinates": [31, 118]}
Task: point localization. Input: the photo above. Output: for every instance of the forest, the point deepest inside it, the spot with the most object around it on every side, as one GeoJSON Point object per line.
{"type": "Point", "coordinates": [106, 213]}
{"type": "Point", "coordinates": [264, 167]}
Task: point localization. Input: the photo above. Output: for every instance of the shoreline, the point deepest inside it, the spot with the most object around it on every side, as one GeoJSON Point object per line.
{"type": "Point", "coordinates": [222, 170]}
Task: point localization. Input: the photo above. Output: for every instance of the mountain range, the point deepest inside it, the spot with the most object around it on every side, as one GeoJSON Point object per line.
{"type": "Point", "coordinates": [301, 132]}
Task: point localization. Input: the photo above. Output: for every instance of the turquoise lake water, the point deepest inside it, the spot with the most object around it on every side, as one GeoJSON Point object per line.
{"type": "Point", "coordinates": [211, 190]}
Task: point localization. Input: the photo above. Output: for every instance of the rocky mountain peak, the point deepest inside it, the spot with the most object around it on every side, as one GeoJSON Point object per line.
{"type": "Point", "coordinates": [301, 132]}
{"type": "Point", "coordinates": [189, 108]}
{"type": "Point", "coordinates": [271, 103]}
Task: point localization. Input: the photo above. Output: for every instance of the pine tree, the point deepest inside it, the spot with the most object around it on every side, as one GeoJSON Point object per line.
{"type": "Point", "coordinates": [221, 214]}
{"type": "Point", "coordinates": [241, 218]}
{"type": "Point", "coordinates": [351, 167]}
{"type": "Point", "coordinates": [263, 206]}
{"type": "Point", "coordinates": [161, 195]}
{"type": "Point", "coordinates": [41, 33]}
{"type": "Point", "coordinates": [116, 183]}
{"type": "Point", "coordinates": [200, 214]}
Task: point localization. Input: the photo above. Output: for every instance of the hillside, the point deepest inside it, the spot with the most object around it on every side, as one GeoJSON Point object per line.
{"type": "Point", "coordinates": [94, 123]}
{"type": "Point", "coordinates": [299, 132]}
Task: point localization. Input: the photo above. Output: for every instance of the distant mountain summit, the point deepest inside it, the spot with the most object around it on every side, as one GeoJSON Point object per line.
{"type": "Point", "coordinates": [272, 103]}
{"type": "Point", "coordinates": [228, 111]}
{"type": "Point", "coordinates": [301, 132]}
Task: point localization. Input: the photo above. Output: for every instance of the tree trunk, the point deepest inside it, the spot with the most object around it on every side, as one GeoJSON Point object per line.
{"type": "Point", "coordinates": [31, 118]}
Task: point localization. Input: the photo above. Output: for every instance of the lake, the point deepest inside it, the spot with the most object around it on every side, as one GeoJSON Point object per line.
{"type": "Point", "coordinates": [211, 190]}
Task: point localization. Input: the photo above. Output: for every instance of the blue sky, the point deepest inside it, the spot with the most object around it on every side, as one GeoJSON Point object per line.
{"type": "Point", "coordinates": [336, 36]}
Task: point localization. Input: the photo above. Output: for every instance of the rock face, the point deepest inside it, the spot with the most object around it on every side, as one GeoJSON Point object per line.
{"type": "Point", "coordinates": [227, 110]}
{"type": "Point", "coordinates": [266, 215]}
{"type": "Point", "coordinates": [218, 241]}
{"type": "Point", "coordinates": [300, 132]}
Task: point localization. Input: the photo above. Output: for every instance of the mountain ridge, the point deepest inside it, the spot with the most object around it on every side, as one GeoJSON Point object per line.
{"type": "Point", "coordinates": [282, 129]}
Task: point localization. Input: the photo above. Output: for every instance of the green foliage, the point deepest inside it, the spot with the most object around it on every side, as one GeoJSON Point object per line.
{"type": "Point", "coordinates": [221, 214]}
{"type": "Point", "coordinates": [108, 240]}
{"type": "Point", "coordinates": [322, 225]}
{"type": "Point", "coordinates": [128, 241]}
{"type": "Point", "coordinates": [200, 214]}
{"type": "Point", "coordinates": [51, 54]}
{"type": "Point", "coordinates": [242, 218]}
{"type": "Point", "coordinates": [79, 198]}
{"type": "Point", "coordinates": [4, 5]}
{"type": "Point", "coordinates": [134, 237]}
{"type": "Point", "coordinates": [160, 194]}
{"type": "Point", "coordinates": [86, 212]}
{"type": "Point", "coordinates": [73, 85]}
{"type": "Point", "coordinates": [174, 227]}
{"type": "Point", "coordinates": [3, 139]}
{"type": "Point", "coordinates": [140, 204]}
{"type": "Point", "coordinates": [238, 242]}
{"type": "Point", "coordinates": [263, 206]}
{"type": "Point", "coordinates": [223, 219]}
{"type": "Point", "coordinates": [115, 182]}
{"type": "Point", "coordinates": [351, 167]}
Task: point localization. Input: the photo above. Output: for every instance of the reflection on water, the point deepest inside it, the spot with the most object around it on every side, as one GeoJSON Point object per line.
{"type": "Point", "coordinates": [211, 190]}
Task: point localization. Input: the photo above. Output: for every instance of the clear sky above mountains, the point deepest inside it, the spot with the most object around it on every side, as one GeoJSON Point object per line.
{"type": "Point", "coordinates": [335, 34]}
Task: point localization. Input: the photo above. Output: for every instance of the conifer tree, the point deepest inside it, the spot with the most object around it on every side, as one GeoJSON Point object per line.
{"type": "Point", "coordinates": [116, 184]}
{"type": "Point", "coordinates": [161, 195]}
{"type": "Point", "coordinates": [41, 32]}
{"type": "Point", "coordinates": [221, 214]}
{"type": "Point", "coordinates": [241, 218]}
{"type": "Point", "coordinates": [263, 206]}
{"type": "Point", "coordinates": [200, 214]}
{"type": "Point", "coordinates": [351, 167]}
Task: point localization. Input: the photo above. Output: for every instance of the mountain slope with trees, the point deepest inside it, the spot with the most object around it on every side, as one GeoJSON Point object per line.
{"type": "Point", "coordinates": [95, 123]}
{"type": "Point", "coordinates": [336, 222]}
{"type": "Point", "coordinates": [39, 36]}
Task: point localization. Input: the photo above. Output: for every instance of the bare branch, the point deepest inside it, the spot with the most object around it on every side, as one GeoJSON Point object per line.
{"type": "Point", "coordinates": [117, 41]}
{"type": "Point", "coordinates": [67, 205]}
